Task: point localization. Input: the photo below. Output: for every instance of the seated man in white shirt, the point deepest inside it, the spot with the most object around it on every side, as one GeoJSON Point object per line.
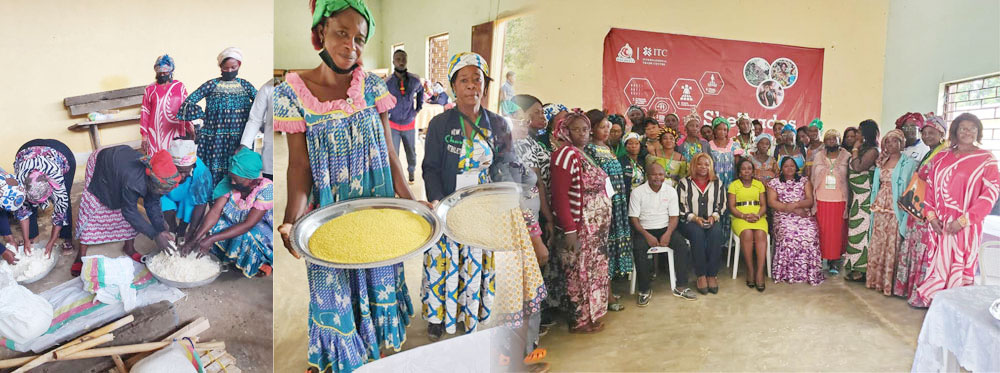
{"type": "Point", "coordinates": [653, 210]}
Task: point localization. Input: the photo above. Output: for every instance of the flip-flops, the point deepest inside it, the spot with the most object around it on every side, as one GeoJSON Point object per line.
{"type": "Point", "coordinates": [75, 269]}
{"type": "Point", "coordinates": [535, 356]}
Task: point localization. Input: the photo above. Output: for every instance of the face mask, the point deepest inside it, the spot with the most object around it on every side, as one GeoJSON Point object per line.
{"type": "Point", "coordinates": [160, 79]}
{"type": "Point", "coordinates": [401, 71]}
{"type": "Point", "coordinates": [831, 149]}
{"type": "Point", "coordinates": [438, 89]}
{"type": "Point", "coordinates": [229, 75]}
{"type": "Point", "coordinates": [325, 56]}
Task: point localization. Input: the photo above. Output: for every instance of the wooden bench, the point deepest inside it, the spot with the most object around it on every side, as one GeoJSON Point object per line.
{"type": "Point", "coordinates": [116, 99]}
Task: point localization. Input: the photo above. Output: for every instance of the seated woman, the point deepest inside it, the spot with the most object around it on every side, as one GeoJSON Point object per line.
{"type": "Point", "coordinates": [703, 201]}
{"type": "Point", "coordinates": [189, 200]}
{"type": "Point", "coordinates": [238, 227]}
{"type": "Point", "coordinates": [46, 167]}
{"type": "Point", "coordinates": [796, 237]}
{"type": "Point", "coordinates": [748, 206]}
{"type": "Point", "coordinates": [673, 162]}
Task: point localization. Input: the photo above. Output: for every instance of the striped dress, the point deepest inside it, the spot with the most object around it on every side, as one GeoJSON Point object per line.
{"type": "Point", "coordinates": [352, 313]}
{"type": "Point", "coordinates": [158, 123]}
{"type": "Point", "coordinates": [59, 168]}
{"type": "Point", "coordinates": [227, 108]}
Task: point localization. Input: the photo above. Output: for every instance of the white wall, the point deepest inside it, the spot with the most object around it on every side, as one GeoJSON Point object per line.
{"type": "Point", "coordinates": [930, 42]}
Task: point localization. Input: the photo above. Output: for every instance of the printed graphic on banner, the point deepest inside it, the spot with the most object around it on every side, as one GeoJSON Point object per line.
{"type": "Point", "coordinates": [783, 83]}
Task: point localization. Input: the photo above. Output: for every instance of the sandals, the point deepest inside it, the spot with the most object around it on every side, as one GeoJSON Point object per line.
{"type": "Point", "coordinates": [616, 307]}
{"type": "Point", "coordinates": [265, 270]}
{"type": "Point", "coordinates": [535, 356]}
{"type": "Point", "coordinates": [75, 269]}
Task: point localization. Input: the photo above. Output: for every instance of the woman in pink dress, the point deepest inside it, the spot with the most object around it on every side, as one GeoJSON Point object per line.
{"type": "Point", "coordinates": [963, 183]}
{"type": "Point", "coordinates": [158, 123]}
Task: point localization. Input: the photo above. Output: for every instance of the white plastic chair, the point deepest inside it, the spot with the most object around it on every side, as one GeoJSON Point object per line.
{"type": "Point", "coordinates": [734, 253]}
{"type": "Point", "coordinates": [670, 266]}
{"type": "Point", "coordinates": [989, 263]}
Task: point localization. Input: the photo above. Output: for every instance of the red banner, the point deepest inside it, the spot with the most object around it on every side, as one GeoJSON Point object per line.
{"type": "Point", "coordinates": [678, 73]}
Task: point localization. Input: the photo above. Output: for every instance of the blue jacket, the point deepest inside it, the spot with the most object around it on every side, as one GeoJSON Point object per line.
{"type": "Point", "coordinates": [443, 147]}
{"type": "Point", "coordinates": [409, 104]}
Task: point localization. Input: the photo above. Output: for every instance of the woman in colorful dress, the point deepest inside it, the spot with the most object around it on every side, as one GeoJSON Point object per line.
{"type": "Point", "coordinates": [796, 238]}
{"type": "Point", "coordinates": [748, 205]}
{"type": "Point", "coordinates": [632, 167]}
{"type": "Point", "coordinates": [535, 156]}
{"type": "Point", "coordinates": [619, 245]}
{"type": "Point", "coordinates": [617, 134]}
{"type": "Point", "coordinates": [46, 168]}
{"type": "Point", "coordinates": [651, 139]}
{"type": "Point", "coordinates": [227, 107]}
{"type": "Point", "coordinates": [238, 227]}
{"type": "Point", "coordinates": [674, 164]}
{"type": "Point", "coordinates": [892, 171]}
{"type": "Point", "coordinates": [787, 147]}
{"type": "Point", "coordinates": [962, 186]}
{"type": "Point", "coordinates": [911, 267]}
{"type": "Point", "coordinates": [12, 199]}
{"type": "Point", "coordinates": [463, 147]}
{"type": "Point", "coordinates": [693, 144]}
{"type": "Point", "coordinates": [583, 211]}
{"type": "Point", "coordinates": [765, 167]}
{"type": "Point", "coordinates": [814, 143]}
{"type": "Point", "coordinates": [744, 137]}
{"type": "Point", "coordinates": [851, 135]}
{"type": "Point", "coordinates": [860, 172]}
{"type": "Point", "coordinates": [316, 109]}
{"type": "Point", "coordinates": [161, 101]}
{"type": "Point", "coordinates": [724, 151]}
{"type": "Point", "coordinates": [184, 207]}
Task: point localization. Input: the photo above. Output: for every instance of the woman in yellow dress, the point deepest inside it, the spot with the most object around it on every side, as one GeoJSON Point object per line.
{"type": "Point", "coordinates": [748, 206]}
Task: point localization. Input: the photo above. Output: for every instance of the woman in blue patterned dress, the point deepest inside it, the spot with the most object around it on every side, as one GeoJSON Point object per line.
{"type": "Point", "coordinates": [227, 106]}
{"type": "Point", "coordinates": [238, 227]}
{"type": "Point", "coordinates": [619, 246]}
{"type": "Point", "coordinates": [336, 119]}
{"type": "Point", "coordinates": [465, 146]}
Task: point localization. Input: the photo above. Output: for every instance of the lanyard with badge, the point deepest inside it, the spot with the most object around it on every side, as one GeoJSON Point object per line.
{"type": "Point", "coordinates": [831, 180]}
{"type": "Point", "coordinates": [464, 178]}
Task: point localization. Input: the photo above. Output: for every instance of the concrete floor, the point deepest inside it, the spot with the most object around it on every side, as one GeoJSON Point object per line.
{"type": "Point", "coordinates": [239, 309]}
{"type": "Point", "coordinates": [836, 326]}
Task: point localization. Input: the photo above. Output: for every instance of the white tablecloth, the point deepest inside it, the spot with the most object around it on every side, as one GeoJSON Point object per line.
{"type": "Point", "coordinates": [959, 321]}
{"type": "Point", "coordinates": [466, 353]}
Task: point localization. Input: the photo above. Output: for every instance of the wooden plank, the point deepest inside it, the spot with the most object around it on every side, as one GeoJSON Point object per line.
{"type": "Point", "coordinates": [115, 103]}
{"type": "Point", "coordinates": [98, 332]}
{"type": "Point", "coordinates": [62, 354]}
{"type": "Point", "coordinates": [97, 123]}
{"type": "Point", "coordinates": [110, 351]}
{"type": "Point", "coordinates": [119, 364]}
{"type": "Point", "coordinates": [106, 95]}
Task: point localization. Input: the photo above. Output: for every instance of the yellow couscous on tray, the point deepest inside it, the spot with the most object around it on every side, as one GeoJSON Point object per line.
{"type": "Point", "coordinates": [352, 238]}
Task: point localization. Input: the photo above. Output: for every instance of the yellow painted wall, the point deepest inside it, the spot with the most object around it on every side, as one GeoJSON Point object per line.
{"type": "Point", "coordinates": [571, 34]}
{"type": "Point", "coordinates": [52, 50]}
{"type": "Point", "coordinates": [292, 47]}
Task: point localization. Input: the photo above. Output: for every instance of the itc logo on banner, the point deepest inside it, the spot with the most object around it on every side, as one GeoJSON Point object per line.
{"type": "Point", "coordinates": [625, 55]}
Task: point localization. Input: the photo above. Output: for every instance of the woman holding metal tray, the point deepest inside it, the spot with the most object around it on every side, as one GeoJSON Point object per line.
{"type": "Point", "coordinates": [465, 146]}
{"type": "Point", "coordinates": [335, 117]}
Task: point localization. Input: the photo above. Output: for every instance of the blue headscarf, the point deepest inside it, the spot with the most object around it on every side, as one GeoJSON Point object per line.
{"type": "Point", "coordinates": [164, 64]}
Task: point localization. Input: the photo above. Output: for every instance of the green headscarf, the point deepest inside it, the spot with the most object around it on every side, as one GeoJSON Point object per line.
{"type": "Point", "coordinates": [324, 8]}
{"type": "Point", "coordinates": [245, 163]}
{"type": "Point", "coordinates": [719, 121]}
{"type": "Point", "coordinates": [817, 123]}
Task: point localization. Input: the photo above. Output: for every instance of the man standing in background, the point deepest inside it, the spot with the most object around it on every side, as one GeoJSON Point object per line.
{"type": "Point", "coordinates": [507, 105]}
{"type": "Point", "coordinates": [261, 121]}
{"type": "Point", "coordinates": [409, 93]}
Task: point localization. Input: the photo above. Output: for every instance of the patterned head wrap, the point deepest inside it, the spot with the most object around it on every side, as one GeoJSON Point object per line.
{"type": "Point", "coordinates": [324, 8]}
{"type": "Point", "coordinates": [895, 134]}
{"type": "Point", "coordinates": [40, 187]}
{"type": "Point", "coordinates": [161, 170]}
{"type": "Point", "coordinates": [11, 196]}
{"type": "Point", "coordinates": [831, 132]}
{"type": "Point", "coordinates": [665, 130]}
{"type": "Point", "coordinates": [931, 120]}
{"type": "Point", "coordinates": [551, 110]}
{"type": "Point", "coordinates": [788, 127]}
{"type": "Point", "coordinates": [562, 127]}
{"type": "Point", "coordinates": [231, 52]}
{"type": "Point", "coordinates": [671, 115]}
{"type": "Point", "coordinates": [692, 117]}
{"type": "Point", "coordinates": [635, 107]}
{"type": "Point", "coordinates": [616, 119]}
{"type": "Point", "coordinates": [916, 117]}
{"type": "Point", "coordinates": [761, 137]}
{"type": "Point", "coordinates": [164, 64]}
{"type": "Point", "coordinates": [631, 136]}
{"type": "Point", "coordinates": [817, 123]}
{"type": "Point", "coordinates": [718, 121]}
{"type": "Point", "coordinates": [184, 152]}
{"type": "Point", "coordinates": [458, 61]}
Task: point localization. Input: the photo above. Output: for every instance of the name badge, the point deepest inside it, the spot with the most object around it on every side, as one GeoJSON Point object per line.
{"type": "Point", "coordinates": [608, 187]}
{"type": "Point", "coordinates": [831, 182]}
{"type": "Point", "coordinates": [465, 179]}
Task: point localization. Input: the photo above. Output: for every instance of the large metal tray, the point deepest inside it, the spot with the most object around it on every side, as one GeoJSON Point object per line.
{"type": "Point", "coordinates": [306, 225]}
{"type": "Point", "coordinates": [187, 285]}
{"type": "Point", "coordinates": [452, 200]}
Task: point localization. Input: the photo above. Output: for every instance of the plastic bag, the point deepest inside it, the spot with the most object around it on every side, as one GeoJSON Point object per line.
{"type": "Point", "coordinates": [178, 357]}
{"type": "Point", "coordinates": [24, 316]}
{"type": "Point", "coordinates": [110, 279]}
